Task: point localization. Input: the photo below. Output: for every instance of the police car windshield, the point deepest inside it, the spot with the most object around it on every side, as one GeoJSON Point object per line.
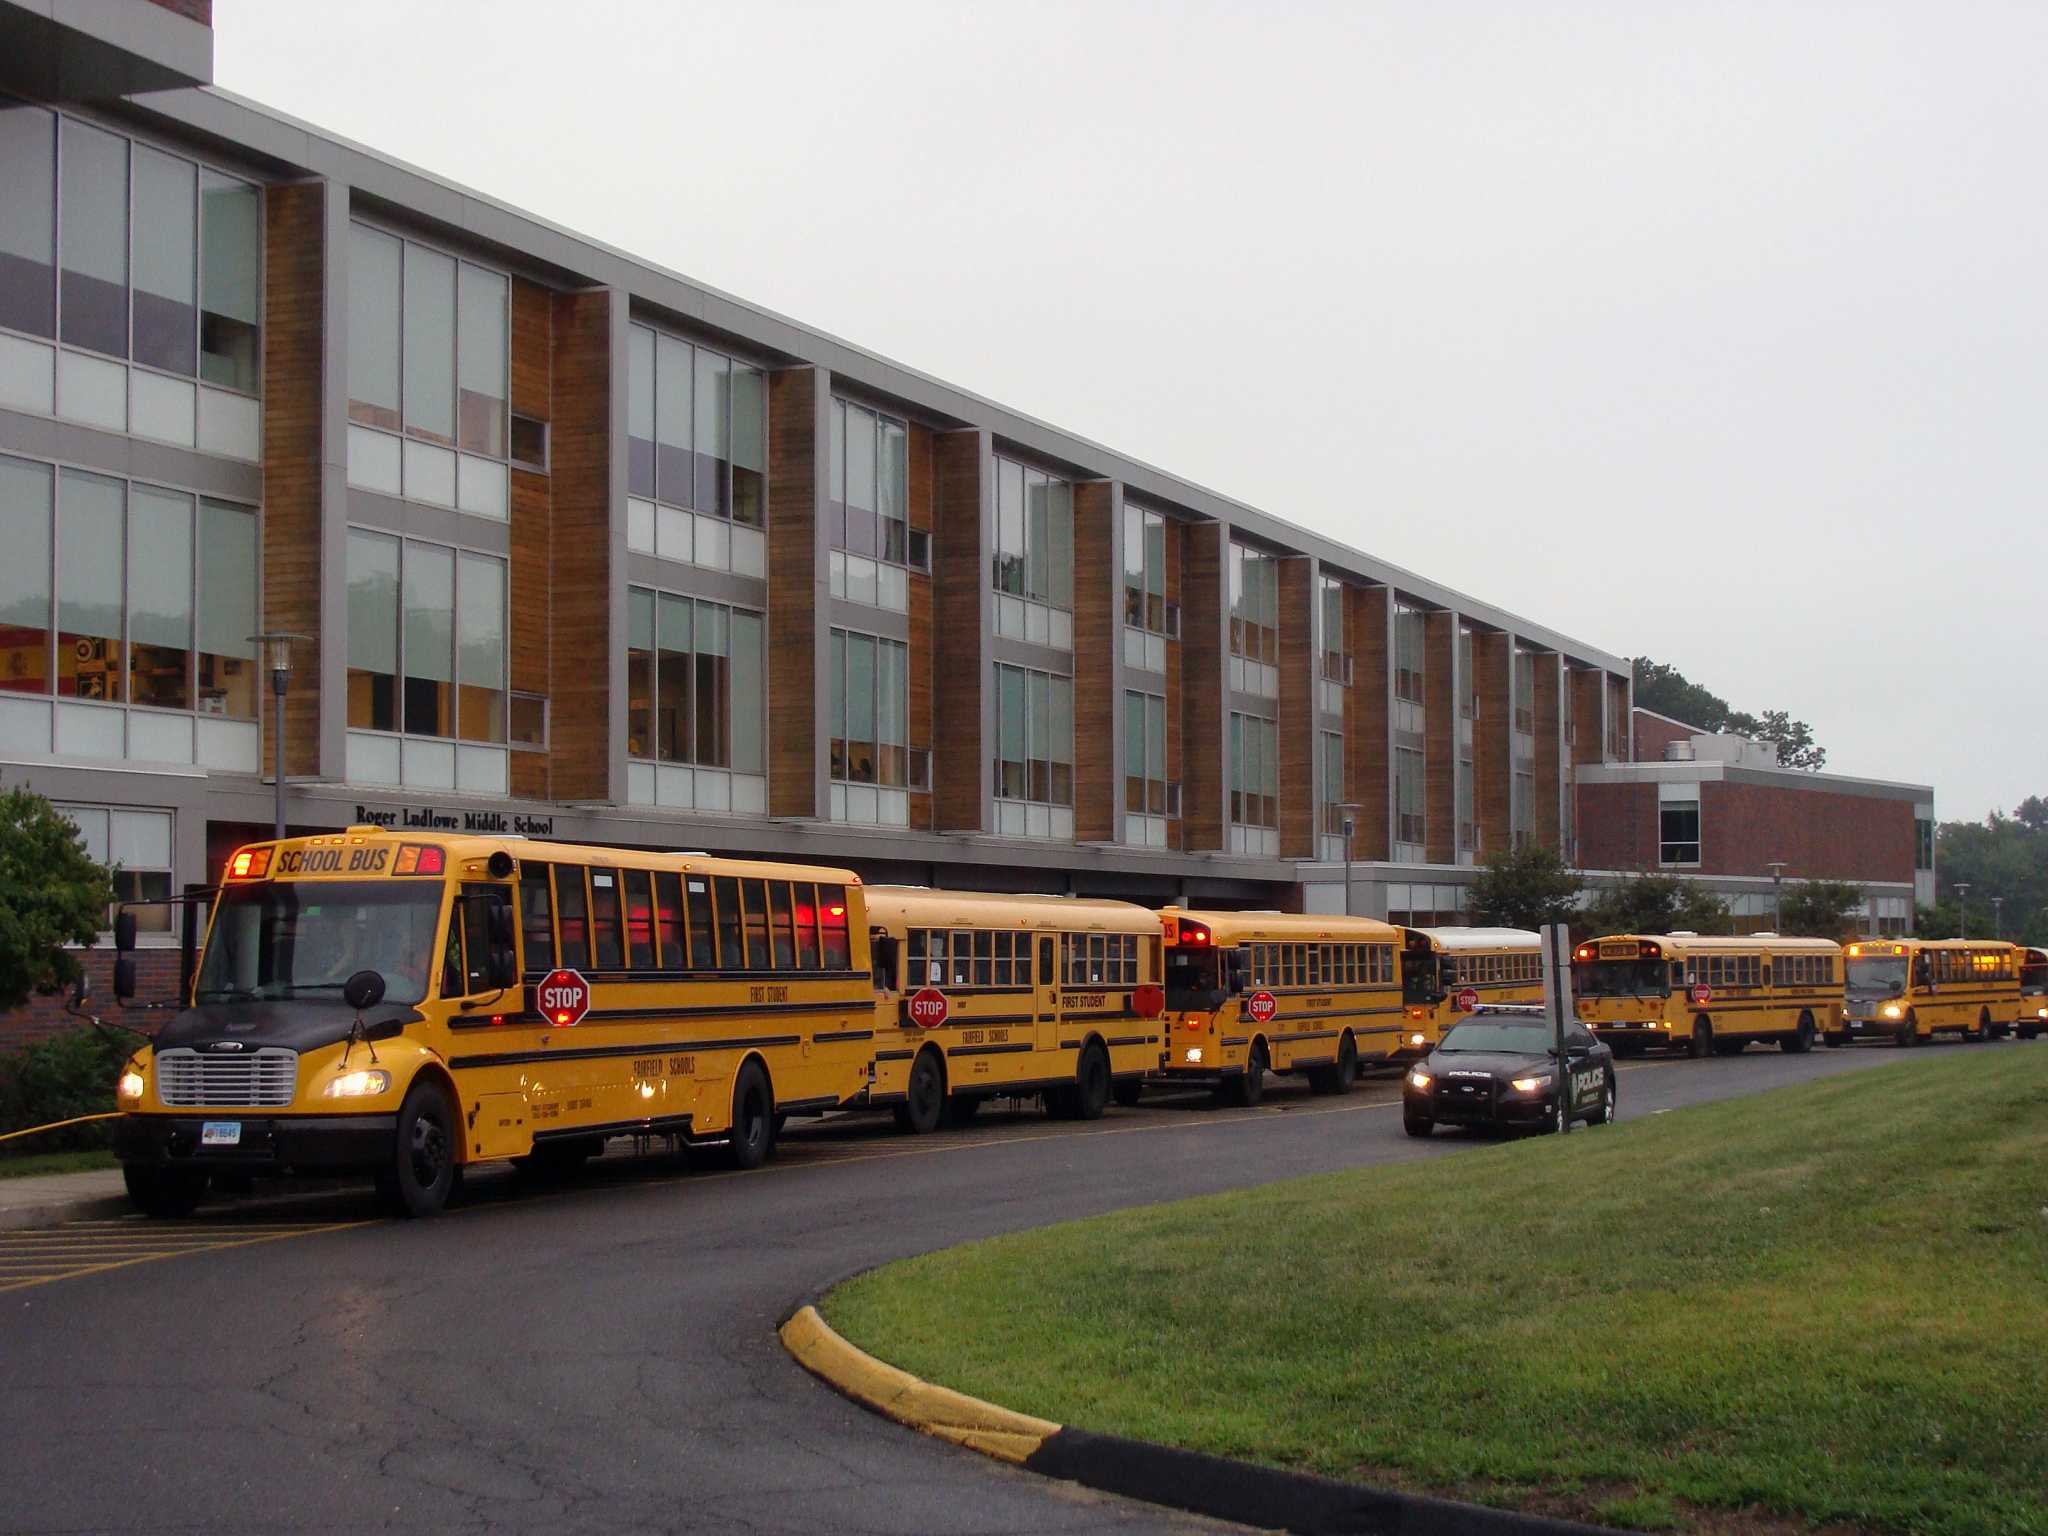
{"type": "Point", "coordinates": [1515, 1037]}
{"type": "Point", "coordinates": [1618, 978]}
{"type": "Point", "coordinates": [1879, 976]}
{"type": "Point", "coordinates": [286, 939]}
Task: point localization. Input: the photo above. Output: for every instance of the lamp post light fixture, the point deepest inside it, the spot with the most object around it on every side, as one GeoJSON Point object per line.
{"type": "Point", "coordinates": [1777, 869]}
{"type": "Point", "coordinates": [275, 652]}
{"type": "Point", "coordinates": [1349, 808]}
{"type": "Point", "coordinates": [1997, 917]}
{"type": "Point", "coordinates": [1962, 909]}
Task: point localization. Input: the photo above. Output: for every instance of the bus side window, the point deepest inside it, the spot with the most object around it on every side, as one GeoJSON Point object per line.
{"type": "Point", "coordinates": [537, 918]}
{"type": "Point", "coordinates": [984, 958]}
{"type": "Point", "coordinates": [639, 897]}
{"type": "Point", "coordinates": [487, 928]}
{"type": "Point", "coordinates": [452, 971]}
{"type": "Point", "coordinates": [807, 926]}
{"type": "Point", "coordinates": [608, 944]}
{"type": "Point", "coordinates": [571, 904]}
{"type": "Point", "coordinates": [731, 956]}
{"type": "Point", "coordinates": [838, 945]}
{"type": "Point", "coordinates": [882, 957]}
{"type": "Point", "coordinates": [703, 948]}
{"type": "Point", "coordinates": [783, 935]}
{"type": "Point", "coordinates": [755, 894]}
{"type": "Point", "coordinates": [668, 916]}
{"type": "Point", "coordinates": [1047, 976]}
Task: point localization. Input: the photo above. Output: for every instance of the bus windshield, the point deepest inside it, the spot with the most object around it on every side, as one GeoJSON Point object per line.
{"type": "Point", "coordinates": [1425, 975]}
{"type": "Point", "coordinates": [1876, 976]}
{"type": "Point", "coordinates": [1191, 985]}
{"type": "Point", "coordinates": [1513, 1036]}
{"type": "Point", "coordinates": [1619, 978]}
{"type": "Point", "coordinates": [2034, 978]}
{"type": "Point", "coordinates": [304, 939]}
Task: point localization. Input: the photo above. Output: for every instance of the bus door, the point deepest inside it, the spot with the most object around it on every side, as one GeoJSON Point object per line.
{"type": "Point", "coordinates": [1045, 993]}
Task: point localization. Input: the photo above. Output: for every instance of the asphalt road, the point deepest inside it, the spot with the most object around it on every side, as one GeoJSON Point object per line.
{"type": "Point", "coordinates": [602, 1357]}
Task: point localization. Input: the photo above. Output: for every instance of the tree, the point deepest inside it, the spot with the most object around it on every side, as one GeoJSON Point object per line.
{"type": "Point", "coordinates": [51, 895]}
{"type": "Point", "coordinates": [1664, 690]}
{"type": "Point", "coordinates": [1818, 909]}
{"type": "Point", "coordinates": [2004, 862]}
{"type": "Point", "coordinates": [1940, 921]}
{"type": "Point", "coordinates": [1524, 888]}
{"type": "Point", "coordinates": [1655, 904]}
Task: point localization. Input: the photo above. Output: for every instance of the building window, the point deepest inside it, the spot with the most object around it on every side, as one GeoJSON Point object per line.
{"type": "Point", "coordinates": [1923, 842]}
{"type": "Point", "coordinates": [120, 250]}
{"type": "Point", "coordinates": [696, 454]}
{"type": "Point", "coordinates": [1468, 679]}
{"type": "Point", "coordinates": [696, 703]}
{"type": "Point", "coordinates": [1331, 747]}
{"type": "Point", "coordinates": [137, 846]}
{"type": "Point", "coordinates": [1336, 650]}
{"type": "Point", "coordinates": [1525, 807]}
{"type": "Point", "coordinates": [1151, 799]}
{"type": "Point", "coordinates": [873, 768]}
{"type": "Point", "coordinates": [1254, 622]}
{"type": "Point", "coordinates": [1678, 832]}
{"type": "Point", "coordinates": [1149, 619]}
{"type": "Point", "coordinates": [1409, 793]}
{"type": "Point", "coordinates": [1254, 777]}
{"type": "Point", "coordinates": [1034, 764]}
{"type": "Point", "coordinates": [155, 596]}
{"type": "Point", "coordinates": [428, 375]}
{"type": "Point", "coordinates": [1034, 561]}
{"type": "Point", "coordinates": [426, 662]}
{"type": "Point", "coordinates": [1468, 824]}
{"type": "Point", "coordinates": [867, 516]}
{"type": "Point", "coordinates": [1525, 696]}
{"type": "Point", "coordinates": [1408, 654]}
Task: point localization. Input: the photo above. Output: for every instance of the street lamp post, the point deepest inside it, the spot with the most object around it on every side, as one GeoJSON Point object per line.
{"type": "Point", "coordinates": [1998, 917]}
{"type": "Point", "coordinates": [1962, 909]}
{"type": "Point", "coordinates": [1349, 809]}
{"type": "Point", "coordinates": [1777, 869]}
{"type": "Point", "coordinates": [276, 654]}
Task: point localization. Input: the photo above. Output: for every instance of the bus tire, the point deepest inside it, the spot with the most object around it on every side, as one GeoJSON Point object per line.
{"type": "Point", "coordinates": [1417, 1125]}
{"type": "Point", "coordinates": [423, 1171]}
{"type": "Point", "coordinates": [1983, 1030]}
{"type": "Point", "coordinates": [1701, 1045]}
{"type": "Point", "coordinates": [166, 1193]}
{"type": "Point", "coordinates": [1800, 1041]}
{"type": "Point", "coordinates": [1909, 1029]}
{"type": "Point", "coordinates": [751, 1140]}
{"type": "Point", "coordinates": [1091, 1083]}
{"type": "Point", "coordinates": [924, 1100]}
{"type": "Point", "coordinates": [1127, 1091]}
{"type": "Point", "coordinates": [1341, 1074]}
{"type": "Point", "coordinates": [1249, 1087]}
{"type": "Point", "coordinates": [962, 1107]}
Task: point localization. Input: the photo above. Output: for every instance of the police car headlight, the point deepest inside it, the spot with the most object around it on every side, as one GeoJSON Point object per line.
{"type": "Point", "coordinates": [1419, 1078]}
{"type": "Point", "coordinates": [1531, 1084]}
{"type": "Point", "coordinates": [1891, 1010]}
{"type": "Point", "coordinates": [358, 1085]}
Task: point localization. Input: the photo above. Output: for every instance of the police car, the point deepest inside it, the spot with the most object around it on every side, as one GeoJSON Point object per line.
{"type": "Point", "coordinates": [1498, 1069]}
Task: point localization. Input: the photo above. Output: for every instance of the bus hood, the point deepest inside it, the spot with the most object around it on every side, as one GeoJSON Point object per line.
{"type": "Point", "coordinates": [297, 1024]}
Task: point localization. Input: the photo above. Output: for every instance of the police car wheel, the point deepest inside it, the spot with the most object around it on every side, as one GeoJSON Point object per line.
{"type": "Point", "coordinates": [1604, 1115]}
{"type": "Point", "coordinates": [1417, 1125]}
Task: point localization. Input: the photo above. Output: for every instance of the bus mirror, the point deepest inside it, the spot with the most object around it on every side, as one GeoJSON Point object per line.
{"type": "Point", "coordinates": [124, 977]}
{"type": "Point", "coordinates": [124, 931]}
{"type": "Point", "coordinates": [365, 989]}
{"type": "Point", "coordinates": [500, 865]}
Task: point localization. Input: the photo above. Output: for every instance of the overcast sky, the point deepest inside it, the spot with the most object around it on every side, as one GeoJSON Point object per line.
{"type": "Point", "coordinates": [1716, 333]}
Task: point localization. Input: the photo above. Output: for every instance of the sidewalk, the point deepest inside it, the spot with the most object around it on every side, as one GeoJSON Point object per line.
{"type": "Point", "coordinates": [43, 1200]}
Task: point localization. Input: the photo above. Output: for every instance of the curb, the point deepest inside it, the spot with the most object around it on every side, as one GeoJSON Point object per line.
{"type": "Point", "coordinates": [53, 1213]}
{"type": "Point", "coordinates": [1215, 1486]}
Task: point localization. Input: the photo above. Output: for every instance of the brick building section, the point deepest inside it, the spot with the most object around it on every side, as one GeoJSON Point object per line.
{"type": "Point", "coordinates": [1653, 733]}
{"type": "Point", "coordinates": [1098, 620]}
{"type": "Point", "coordinates": [156, 980]}
{"type": "Point", "coordinates": [1298, 732]}
{"type": "Point", "coordinates": [293, 332]}
{"type": "Point", "coordinates": [1819, 833]}
{"type": "Point", "coordinates": [1544, 826]}
{"type": "Point", "coordinates": [1367, 743]}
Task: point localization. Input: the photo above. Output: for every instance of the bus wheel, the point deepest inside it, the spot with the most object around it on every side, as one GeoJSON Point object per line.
{"type": "Point", "coordinates": [753, 1119]}
{"type": "Point", "coordinates": [1909, 1029]}
{"type": "Point", "coordinates": [1702, 1043]}
{"type": "Point", "coordinates": [1341, 1075]}
{"type": "Point", "coordinates": [919, 1112]}
{"type": "Point", "coordinates": [1983, 1025]}
{"type": "Point", "coordinates": [1800, 1041]}
{"type": "Point", "coordinates": [1091, 1084]}
{"type": "Point", "coordinates": [1127, 1091]}
{"type": "Point", "coordinates": [1246, 1090]}
{"type": "Point", "coordinates": [422, 1174]}
{"type": "Point", "coordinates": [164, 1192]}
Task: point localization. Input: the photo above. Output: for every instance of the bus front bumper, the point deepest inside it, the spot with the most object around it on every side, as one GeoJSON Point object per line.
{"type": "Point", "coordinates": [261, 1143]}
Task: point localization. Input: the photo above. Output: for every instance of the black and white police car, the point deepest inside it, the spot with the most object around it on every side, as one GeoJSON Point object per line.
{"type": "Point", "coordinates": [1500, 1069]}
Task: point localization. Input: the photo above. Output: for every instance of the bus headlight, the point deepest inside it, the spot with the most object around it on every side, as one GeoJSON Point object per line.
{"type": "Point", "coordinates": [359, 1085]}
{"type": "Point", "coordinates": [1415, 1039]}
{"type": "Point", "coordinates": [1419, 1078]}
{"type": "Point", "coordinates": [1194, 1055]}
{"type": "Point", "coordinates": [130, 1087]}
{"type": "Point", "coordinates": [1891, 1010]}
{"type": "Point", "coordinates": [1531, 1084]}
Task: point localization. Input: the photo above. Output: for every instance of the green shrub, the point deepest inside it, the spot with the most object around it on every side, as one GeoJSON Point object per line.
{"type": "Point", "coordinates": [65, 1074]}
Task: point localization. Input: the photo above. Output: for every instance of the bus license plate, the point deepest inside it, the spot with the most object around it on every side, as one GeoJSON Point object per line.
{"type": "Point", "coordinates": [220, 1133]}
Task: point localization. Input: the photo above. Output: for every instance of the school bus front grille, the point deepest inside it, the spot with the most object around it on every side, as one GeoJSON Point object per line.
{"type": "Point", "coordinates": [263, 1079]}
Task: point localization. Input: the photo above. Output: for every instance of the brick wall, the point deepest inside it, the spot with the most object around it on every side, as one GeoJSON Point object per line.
{"type": "Point", "coordinates": [156, 980]}
{"type": "Point", "coordinates": [1820, 834]}
{"type": "Point", "coordinates": [1653, 733]}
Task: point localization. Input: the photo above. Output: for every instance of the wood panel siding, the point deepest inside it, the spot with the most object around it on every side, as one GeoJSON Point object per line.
{"type": "Point", "coordinates": [1441, 686]}
{"type": "Point", "coordinates": [532, 350]}
{"type": "Point", "coordinates": [1368, 615]}
{"type": "Point", "coordinates": [1588, 686]}
{"type": "Point", "coordinates": [1543, 821]}
{"type": "Point", "coordinates": [961, 573]}
{"type": "Point", "coordinates": [1176, 755]}
{"type": "Point", "coordinates": [529, 634]}
{"type": "Point", "coordinates": [1616, 746]}
{"type": "Point", "coordinates": [1098, 631]}
{"type": "Point", "coordinates": [919, 456]}
{"type": "Point", "coordinates": [1298, 732]}
{"type": "Point", "coordinates": [795, 755]}
{"type": "Point", "coordinates": [294, 231]}
{"type": "Point", "coordinates": [1493, 738]}
{"type": "Point", "coordinates": [1205, 638]}
{"type": "Point", "coordinates": [579, 549]}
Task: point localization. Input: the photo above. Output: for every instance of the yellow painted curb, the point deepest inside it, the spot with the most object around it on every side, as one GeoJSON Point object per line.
{"type": "Point", "coordinates": [898, 1395]}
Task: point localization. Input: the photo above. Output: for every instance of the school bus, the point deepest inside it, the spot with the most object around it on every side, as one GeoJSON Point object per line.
{"type": "Point", "coordinates": [406, 1005]}
{"type": "Point", "coordinates": [1707, 995]}
{"type": "Point", "coordinates": [1249, 993]}
{"type": "Point", "coordinates": [1910, 990]}
{"type": "Point", "coordinates": [982, 996]}
{"type": "Point", "coordinates": [1496, 965]}
{"type": "Point", "coordinates": [2033, 1016]}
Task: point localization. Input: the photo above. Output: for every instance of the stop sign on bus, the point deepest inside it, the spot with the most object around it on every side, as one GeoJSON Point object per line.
{"type": "Point", "coordinates": [1260, 1007]}
{"type": "Point", "coordinates": [928, 1007]}
{"type": "Point", "coordinates": [563, 997]}
{"type": "Point", "coordinates": [1466, 1000]}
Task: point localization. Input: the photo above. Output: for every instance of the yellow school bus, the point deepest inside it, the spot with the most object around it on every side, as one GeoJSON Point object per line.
{"type": "Point", "coordinates": [1440, 965]}
{"type": "Point", "coordinates": [1703, 995]}
{"type": "Point", "coordinates": [1910, 990]}
{"type": "Point", "coordinates": [405, 1005]}
{"type": "Point", "coordinates": [2033, 1016]}
{"type": "Point", "coordinates": [982, 996]}
{"type": "Point", "coordinates": [1249, 993]}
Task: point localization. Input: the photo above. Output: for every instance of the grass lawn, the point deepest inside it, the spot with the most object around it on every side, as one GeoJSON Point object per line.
{"type": "Point", "coordinates": [1826, 1304]}
{"type": "Point", "coordinates": [55, 1162]}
